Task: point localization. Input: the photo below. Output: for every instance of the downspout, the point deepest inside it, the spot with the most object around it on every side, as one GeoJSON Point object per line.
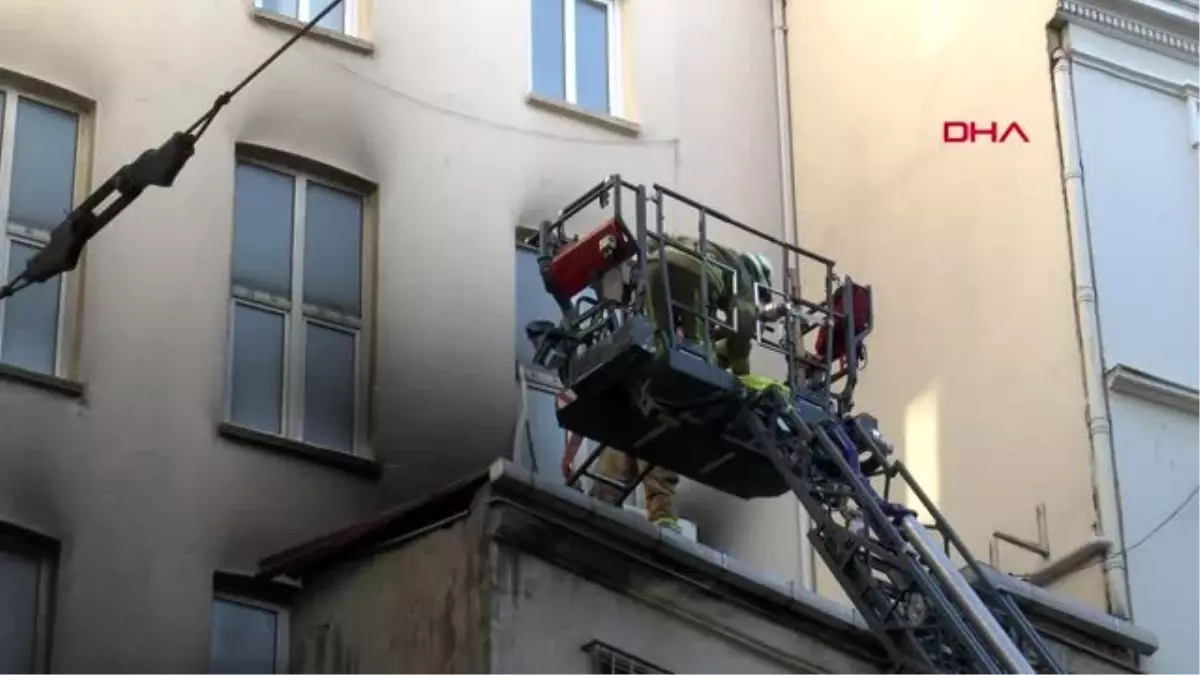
{"type": "Point", "coordinates": [787, 185]}
{"type": "Point", "coordinates": [1105, 487]}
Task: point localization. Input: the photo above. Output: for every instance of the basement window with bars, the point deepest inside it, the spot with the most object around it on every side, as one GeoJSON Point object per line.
{"type": "Point", "coordinates": [609, 660]}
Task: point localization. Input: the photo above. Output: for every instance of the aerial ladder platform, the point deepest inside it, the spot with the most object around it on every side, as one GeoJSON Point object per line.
{"type": "Point", "coordinates": [667, 401]}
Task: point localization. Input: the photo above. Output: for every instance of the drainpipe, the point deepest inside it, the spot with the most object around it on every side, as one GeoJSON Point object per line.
{"type": "Point", "coordinates": [787, 184]}
{"type": "Point", "coordinates": [1105, 488]}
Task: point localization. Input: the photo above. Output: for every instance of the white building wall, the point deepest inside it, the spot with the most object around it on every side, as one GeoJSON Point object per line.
{"type": "Point", "coordinates": [1136, 132]}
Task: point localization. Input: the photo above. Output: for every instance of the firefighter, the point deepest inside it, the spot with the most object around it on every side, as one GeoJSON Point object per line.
{"type": "Point", "coordinates": [730, 349]}
{"type": "Point", "coordinates": [659, 484]}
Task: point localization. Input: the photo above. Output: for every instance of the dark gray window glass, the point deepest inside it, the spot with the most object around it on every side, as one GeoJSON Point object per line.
{"type": "Point", "coordinates": [19, 575]}
{"type": "Point", "coordinates": [256, 396]}
{"type": "Point", "coordinates": [30, 337]}
{"type": "Point", "coordinates": [591, 55]}
{"type": "Point", "coordinates": [43, 170]}
{"type": "Point", "coordinates": [262, 229]}
{"type": "Point", "coordinates": [334, 20]}
{"type": "Point", "coordinates": [333, 249]}
{"type": "Point", "coordinates": [243, 638]}
{"type": "Point", "coordinates": [329, 387]}
{"type": "Point", "coordinates": [549, 70]}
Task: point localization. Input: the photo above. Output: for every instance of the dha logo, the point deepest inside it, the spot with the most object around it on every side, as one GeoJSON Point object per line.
{"type": "Point", "coordinates": [968, 132]}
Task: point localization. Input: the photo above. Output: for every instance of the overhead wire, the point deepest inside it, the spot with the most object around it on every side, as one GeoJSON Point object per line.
{"type": "Point", "coordinates": [486, 121]}
{"type": "Point", "coordinates": [156, 166]}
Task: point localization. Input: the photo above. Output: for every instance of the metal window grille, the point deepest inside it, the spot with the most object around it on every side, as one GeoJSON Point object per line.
{"type": "Point", "coordinates": [608, 660]}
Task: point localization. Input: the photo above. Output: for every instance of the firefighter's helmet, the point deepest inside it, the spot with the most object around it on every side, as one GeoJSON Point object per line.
{"type": "Point", "coordinates": [760, 271]}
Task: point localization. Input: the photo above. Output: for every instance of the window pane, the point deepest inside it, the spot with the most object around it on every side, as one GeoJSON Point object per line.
{"type": "Point", "coordinates": [285, 7]}
{"type": "Point", "coordinates": [243, 638]}
{"type": "Point", "coordinates": [591, 55]}
{"type": "Point", "coordinates": [544, 440]}
{"type": "Point", "coordinates": [256, 396]}
{"type": "Point", "coordinates": [333, 249]}
{"type": "Point", "coordinates": [549, 76]}
{"type": "Point", "coordinates": [43, 172]}
{"type": "Point", "coordinates": [18, 612]}
{"type": "Point", "coordinates": [1, 122]}
{"type": "Point", "coordinates": [262, 230]}
{"type": "Point", "coordinates": [30, 318]}
{"type": "Point", "coordinates": [329, 387]}
{"type": "Point", "coordinates": [534, 303]}
{"type": "Point", "coordinates": [334, 20]}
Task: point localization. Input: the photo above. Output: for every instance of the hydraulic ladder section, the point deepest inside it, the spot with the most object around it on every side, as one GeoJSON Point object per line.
{"type": "Point", "coordinates": [633, 386]}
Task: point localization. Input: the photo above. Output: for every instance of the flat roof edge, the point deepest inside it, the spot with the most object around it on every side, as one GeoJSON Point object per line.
{"type": "Point", "coordinates": [1071, 612]}
{"type": "Point", "coordinates": [506, 475]}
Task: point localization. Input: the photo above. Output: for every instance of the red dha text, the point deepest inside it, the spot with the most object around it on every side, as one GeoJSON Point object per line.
{"type": "Point", "coordinates": [969, 132]}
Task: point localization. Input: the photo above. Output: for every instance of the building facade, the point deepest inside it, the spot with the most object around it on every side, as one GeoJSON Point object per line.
{"type": "Point", "coordinates": [974, 365]}
{"type": "Point", "coordinates": [1126, 90]}
{"type": "Point", "coordinates": [315, 319]}
{"type": "Point", "coordinates": [1017, 336]}
{"type": "Point", "coordinates": [481, 575]}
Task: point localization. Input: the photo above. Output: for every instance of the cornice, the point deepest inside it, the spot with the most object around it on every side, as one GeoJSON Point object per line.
{"type": "Point", "coordinates": [1130, 381]}
{"type": "Point", "coordinates": [1139, 24]}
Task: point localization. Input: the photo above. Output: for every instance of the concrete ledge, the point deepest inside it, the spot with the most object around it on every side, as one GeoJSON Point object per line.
{"type": "Point", "coordinates": [307, 451]}
{"type": "Point", "coordinates": [543, 519]}
{"type": "Point", "coordinates": [51, 383]}
{"type": "Point", "coordinates": [332, 37]}
{"type": "Point", "coordinates": [508, 477]}
{"type": "Point", "coordinates": [1071, 612]}
{"type": "Point", "coordinates": [505, 476]}
{"type": "Point", "coordinates": [1133, 382]}
{"type": "Point", "coordinates": [620, 125]}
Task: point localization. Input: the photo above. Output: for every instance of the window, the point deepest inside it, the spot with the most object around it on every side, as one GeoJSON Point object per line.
{"type": "Point", "coordinates": [296, 354]}
{"type": "Point", "coordinates": [38, 159]}
{"type": "Point", "coordinates": [341, 19]}
{"type": "Point", "coordinates": [26, 568]}
{"type": "Point", "coordinates": [1193, 104]}
{"type": "Point", "coordinates": [541, 440]}
{"type": "Point", "coordinates": [576, 53]}
{"type": "Point", "coordinates": [612, 661]}
{"type": "Point", "coordinates": [248, 636]}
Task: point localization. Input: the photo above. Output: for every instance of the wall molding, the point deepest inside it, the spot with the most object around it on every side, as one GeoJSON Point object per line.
{"type": "Point", "coordinates": [1123, 379]}
{"type": "Point", "coordinates": [1129, 29]}
{"type": "Point", "coordinates": [1134, 75]}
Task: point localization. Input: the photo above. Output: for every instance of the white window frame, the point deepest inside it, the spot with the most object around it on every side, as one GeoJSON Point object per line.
{"type": "Point", "coordinates": [304, 14]}
{"type": "Point", "coordinates": [27, 235]}
{"type": "Point", "coordinates": [282, 625]}
{"type": "Point", "coordinates": [292, 413]}
{"type": "Point", "coordinates": [1193, 104]}
{"type": "Point", "coordinates": [616, 104]}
